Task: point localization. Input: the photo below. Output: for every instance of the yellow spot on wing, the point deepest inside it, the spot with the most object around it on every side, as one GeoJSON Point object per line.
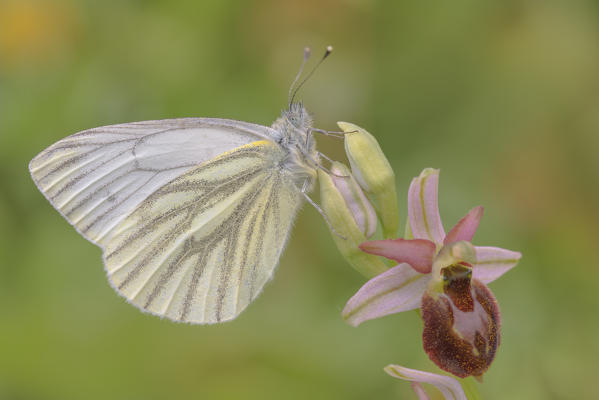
{"type": "Point", "coordinates": [257, 143]}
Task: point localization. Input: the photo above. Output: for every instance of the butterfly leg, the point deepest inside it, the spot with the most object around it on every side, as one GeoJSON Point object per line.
{"type": "Point", "coordinates": [331, 161]}
{"type": "Point", "coordinates": [335, 134]}
{"type": "Point", "coordinates": [325, 169]}
{"type": "Point", "coordinates": [322, 167]}
{"type": "Point", "coordinates": [320, 211]}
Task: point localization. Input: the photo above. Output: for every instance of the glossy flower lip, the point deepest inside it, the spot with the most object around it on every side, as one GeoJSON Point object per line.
{"type": "Point", "coordinates": [401, 287]}
{"type": "Point", "coordinates": [462, 324]}
{"type": "Point", "coordinates": [449, 387]}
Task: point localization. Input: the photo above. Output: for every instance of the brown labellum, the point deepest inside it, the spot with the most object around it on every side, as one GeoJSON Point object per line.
{"type": "Point", "coordinates": [461, 324]}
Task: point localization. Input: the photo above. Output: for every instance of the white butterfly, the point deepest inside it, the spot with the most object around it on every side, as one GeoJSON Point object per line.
{"type": "Point", "coordinates": [191, 214]}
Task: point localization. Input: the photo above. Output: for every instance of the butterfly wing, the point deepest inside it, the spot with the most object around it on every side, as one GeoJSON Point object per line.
{"type": "Point", "coordinates": [95, 178]}
{"type": "Point", "coordinates": [201, 248]}
{"type": "Point", "coordinates": [192, 215]}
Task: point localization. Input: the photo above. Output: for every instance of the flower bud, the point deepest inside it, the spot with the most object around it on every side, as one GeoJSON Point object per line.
{"type": "Point", "coordinates": [344, 226]}
{"type": "Point", "coordinates": [373, 172]}
{"type": "Point", "coordinates": [355, 200]}
{"type": "Point", "coordinates": [461, 324]}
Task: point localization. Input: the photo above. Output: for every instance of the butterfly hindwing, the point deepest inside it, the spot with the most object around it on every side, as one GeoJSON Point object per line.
{"type": "Point", "coordinates": [201, 248]}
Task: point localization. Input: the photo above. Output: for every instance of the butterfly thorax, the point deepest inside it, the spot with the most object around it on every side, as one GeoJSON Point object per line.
{"type": "Point", "coordinates": [302, 159]}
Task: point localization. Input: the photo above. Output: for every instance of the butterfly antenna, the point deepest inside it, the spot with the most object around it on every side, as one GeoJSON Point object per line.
{"type": "Point", "coordinates": [326, 54]}
{"type": "Point", "coordinates": [299, 74]}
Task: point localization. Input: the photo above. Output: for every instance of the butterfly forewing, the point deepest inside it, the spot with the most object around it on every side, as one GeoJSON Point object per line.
{"type": "Point", "coordinates": [203, 246]}
{"type": "Point", "coordinates": [97, 177]}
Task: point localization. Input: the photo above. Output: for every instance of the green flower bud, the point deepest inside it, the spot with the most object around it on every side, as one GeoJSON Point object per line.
{"type": "Point", "coordinates": [373, 172]}
{"type": "Point", "coordinates": [356, 201]}
{"type": "Point", "coordinates": [346, 232]}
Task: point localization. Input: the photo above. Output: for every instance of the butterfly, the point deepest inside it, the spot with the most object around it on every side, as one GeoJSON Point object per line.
{"type": "Point", "coordinates": [191, 214]}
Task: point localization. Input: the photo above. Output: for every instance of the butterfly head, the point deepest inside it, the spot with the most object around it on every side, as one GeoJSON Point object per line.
{"type": "Point", "coordinates": [294, 125]}
{"type": "Point", "coordinates": [298, 117]}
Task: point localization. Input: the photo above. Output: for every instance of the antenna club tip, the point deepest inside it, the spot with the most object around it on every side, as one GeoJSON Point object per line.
{"type": "Point", "coordinates": [329, 48]}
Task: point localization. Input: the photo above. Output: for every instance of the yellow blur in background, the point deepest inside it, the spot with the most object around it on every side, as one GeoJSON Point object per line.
{"type": "Point", "coordinates": [502, 96]}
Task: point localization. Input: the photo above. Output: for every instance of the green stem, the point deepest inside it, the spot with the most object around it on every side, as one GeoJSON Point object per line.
{"type": "Point", "coordinates": [470, 388]}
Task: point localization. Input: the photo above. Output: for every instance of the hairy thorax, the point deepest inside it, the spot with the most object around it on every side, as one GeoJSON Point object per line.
{"type": "Point", "coordinates": [301, 158]}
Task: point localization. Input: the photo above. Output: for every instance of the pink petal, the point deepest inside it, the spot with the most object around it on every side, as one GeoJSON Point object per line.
{"type": "Point", "coordinates": [418, 253]}
{"type": "Point", "coordinates": [419, 390]}
{"type": "Point", "coordinates": [395, 290]}
{"type": "Point", "coordinates": [448, 386]}
{"type": "Point", "coordinates": [466, 227]}
{"type": "Point", "coordinates": [423, 208]}
{"type": "Point", "coordinates": [492, 262]}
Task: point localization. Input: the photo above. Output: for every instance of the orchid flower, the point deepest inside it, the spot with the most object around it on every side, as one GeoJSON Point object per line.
{"type": "Point", "coordinates": [445, 276]}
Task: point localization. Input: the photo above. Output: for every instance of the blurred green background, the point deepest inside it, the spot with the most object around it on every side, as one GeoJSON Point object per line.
{"type": "Point", "coordinates": [503, 96]}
